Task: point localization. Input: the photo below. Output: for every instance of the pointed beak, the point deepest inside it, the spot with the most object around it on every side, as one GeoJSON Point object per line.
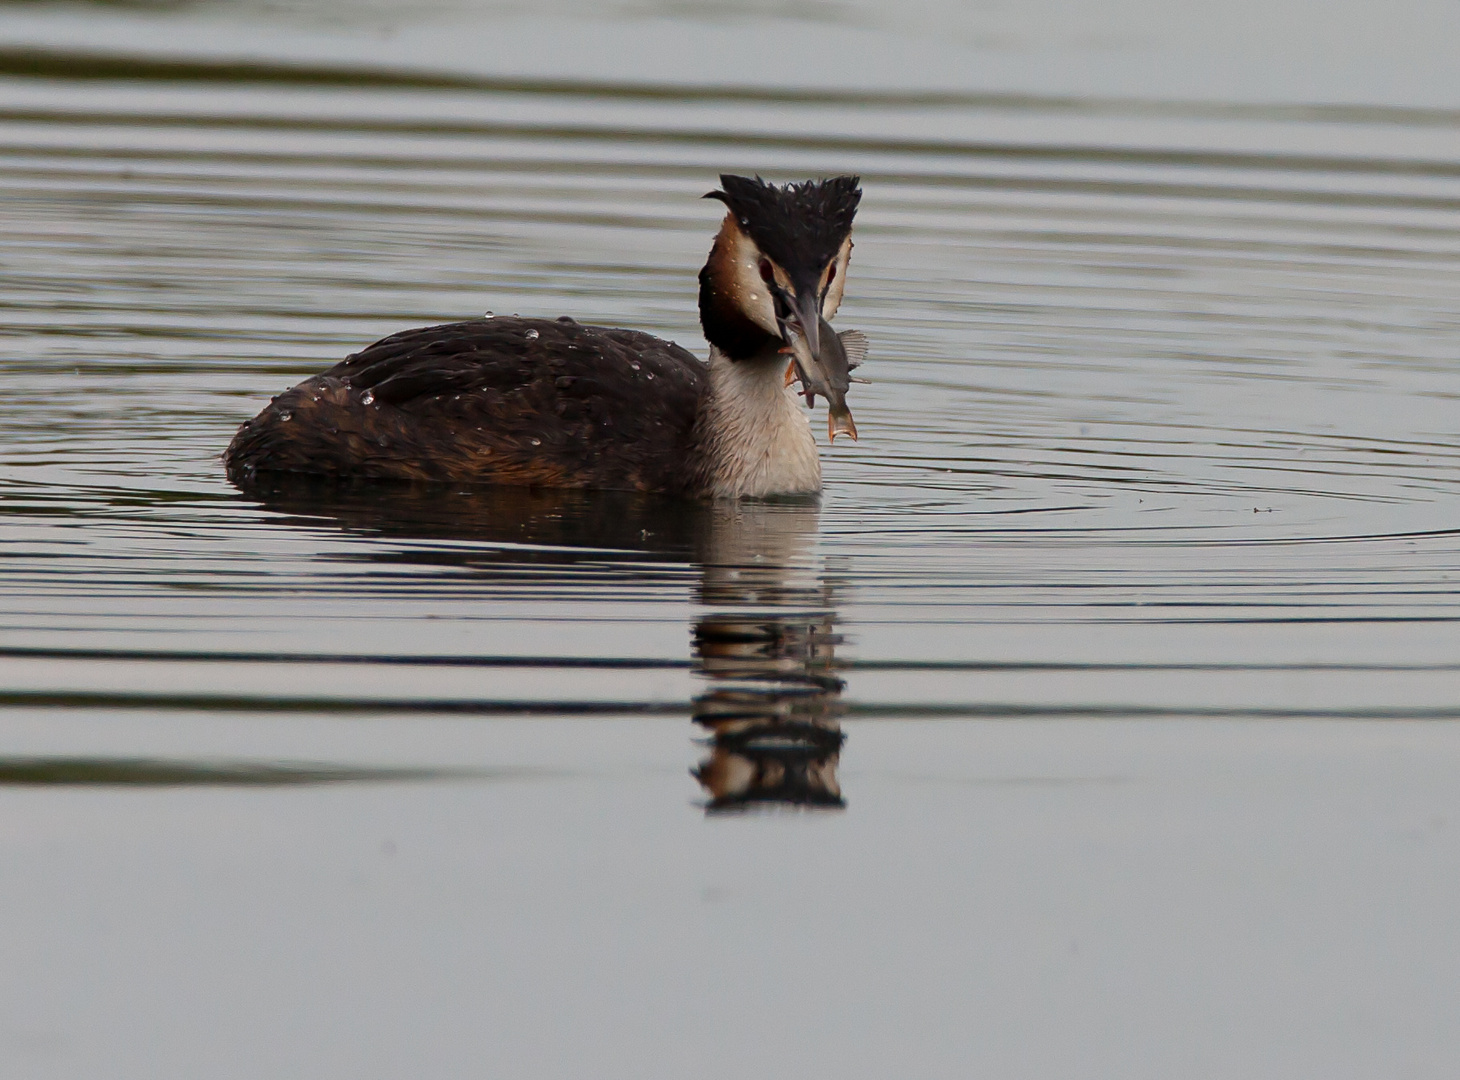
{"type": "Point", "coordinates": [806, 317]}
{"type": "Point", "coordinates": [820, 359]}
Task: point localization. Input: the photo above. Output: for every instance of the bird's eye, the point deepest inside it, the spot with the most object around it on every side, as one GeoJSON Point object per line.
{"type": "Point", "coordinates": [767, 272]}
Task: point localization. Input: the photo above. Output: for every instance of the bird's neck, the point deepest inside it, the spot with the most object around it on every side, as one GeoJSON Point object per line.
{"type": "Point", "coordinates": [755, 434]}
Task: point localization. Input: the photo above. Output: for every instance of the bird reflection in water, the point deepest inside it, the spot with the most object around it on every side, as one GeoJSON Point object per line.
{"type": "Point", "coordinates": [765, 643]}
{"type": "Point", "coordinates": [773, 706]}
{"type": "Point", "coordinates": [772, 714]}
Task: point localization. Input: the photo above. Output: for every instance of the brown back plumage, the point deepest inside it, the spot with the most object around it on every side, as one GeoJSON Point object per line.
{"type": "Point", "coordinates": [499, 401]}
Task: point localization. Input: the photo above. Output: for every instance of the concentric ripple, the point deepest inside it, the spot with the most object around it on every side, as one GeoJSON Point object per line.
{"type": "Point", "coordinates": [1162, 414]}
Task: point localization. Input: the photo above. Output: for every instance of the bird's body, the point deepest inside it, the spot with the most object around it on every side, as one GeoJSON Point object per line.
{"type": "Point", "coordinates": [528, 402]}
{"type": "Point", "coordinates": [553, 403]}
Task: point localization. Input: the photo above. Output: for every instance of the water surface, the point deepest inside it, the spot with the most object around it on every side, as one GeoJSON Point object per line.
{"type": "Point", "coordinates": [1135, 605]}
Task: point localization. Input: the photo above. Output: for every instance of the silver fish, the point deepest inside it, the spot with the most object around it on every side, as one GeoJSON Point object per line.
{"type": "Point", "coordinates": [830, 375]}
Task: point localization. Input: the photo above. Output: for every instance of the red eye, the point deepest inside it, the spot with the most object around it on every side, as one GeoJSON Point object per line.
{"type": "Point", "coordinates": [767, 272]}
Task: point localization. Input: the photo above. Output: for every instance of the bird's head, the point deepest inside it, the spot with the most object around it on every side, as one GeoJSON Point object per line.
{"type": "Point", "coordinates": [775, 278]}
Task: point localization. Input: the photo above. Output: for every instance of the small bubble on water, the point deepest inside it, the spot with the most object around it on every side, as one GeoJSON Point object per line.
{"type": "Point", "coordinates": [651, 376]}
{"type": "Point", "coordinates": [532, 335]}
{"type": "Point", "coordinates": [489, 315]}
{"type": "Point", "coordinates": [535, 442]}
{"type": "Point", "coordinates": [286, 416]}
{"type": "Point", "coordinates": [367, 398]}
{"type": "Point", "coordinates": [634, 364]}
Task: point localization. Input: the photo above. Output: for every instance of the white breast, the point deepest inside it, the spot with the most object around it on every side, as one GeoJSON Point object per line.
{"type": "Point", "coordinates": [759, 438]}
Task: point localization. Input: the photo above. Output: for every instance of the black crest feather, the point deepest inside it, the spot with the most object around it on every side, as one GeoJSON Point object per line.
{"type": "Point", "coordinates": [800, 226]}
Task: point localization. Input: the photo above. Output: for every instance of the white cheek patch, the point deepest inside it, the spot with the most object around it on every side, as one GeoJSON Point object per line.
{"type": "Point", "coordinates": [838, 282]}
{"type": "Point", "coordinates": [750, 292]}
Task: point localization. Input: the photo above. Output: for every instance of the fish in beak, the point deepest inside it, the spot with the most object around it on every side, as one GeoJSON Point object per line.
{"type": "Point", "coordinates": [820, 360]}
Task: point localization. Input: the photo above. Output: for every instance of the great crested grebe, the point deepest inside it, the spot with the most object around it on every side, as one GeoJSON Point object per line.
{"type": "Point", "coordinates": [552, 403]}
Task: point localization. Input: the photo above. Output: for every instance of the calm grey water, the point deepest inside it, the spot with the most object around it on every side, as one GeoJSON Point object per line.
{"type": "Point", "coordinates": [1116, 675]}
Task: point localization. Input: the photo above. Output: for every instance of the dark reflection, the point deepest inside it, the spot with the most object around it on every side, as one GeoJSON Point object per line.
{"type": "Point", "coordinates": [150, 772]}
{"type": "Point", "coordinates": [552, 526]}
{"type": "Point", "coordinates": [766, 642]}
{"type": "Point", "coordinates": [774, 704]}
{"type": "Point", "coordinates": [772, 713]}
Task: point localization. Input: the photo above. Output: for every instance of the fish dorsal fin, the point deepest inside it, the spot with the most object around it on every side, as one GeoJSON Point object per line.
{"type": "Point", "coordinates": [855, 344]}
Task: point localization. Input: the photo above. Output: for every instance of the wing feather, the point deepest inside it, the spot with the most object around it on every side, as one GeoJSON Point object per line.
{"type": "Point", "coordinates": [505, 400]}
